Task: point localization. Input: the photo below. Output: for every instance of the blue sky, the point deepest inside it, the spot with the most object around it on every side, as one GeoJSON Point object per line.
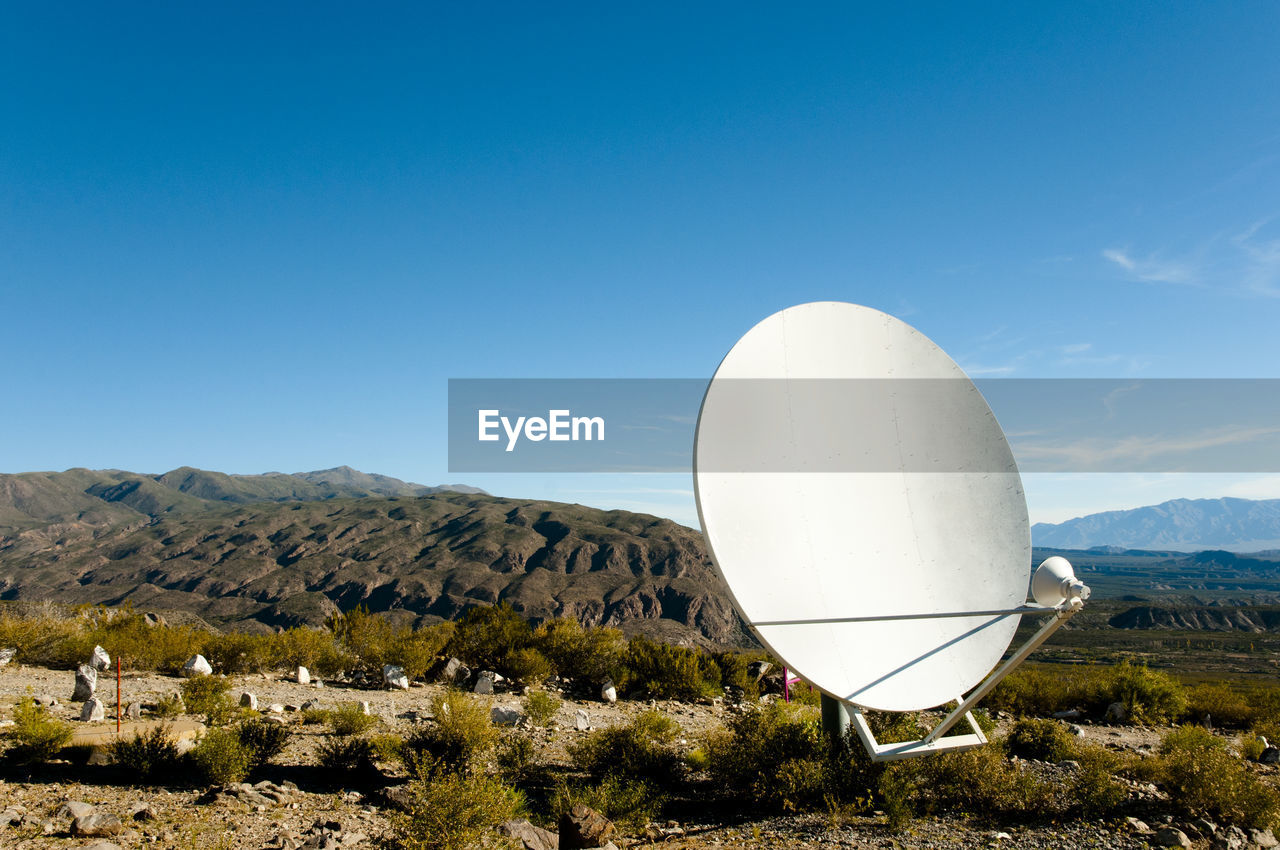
{"type": "Point", "coordinates": [254, 238]}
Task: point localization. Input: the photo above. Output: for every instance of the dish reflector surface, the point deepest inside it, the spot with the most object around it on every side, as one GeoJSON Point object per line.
{"type": "Point", "coordinates": [801, 538]}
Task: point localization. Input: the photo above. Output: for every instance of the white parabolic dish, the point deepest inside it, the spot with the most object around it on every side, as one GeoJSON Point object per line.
{"type": "Point", "coordinates": [816, 476]}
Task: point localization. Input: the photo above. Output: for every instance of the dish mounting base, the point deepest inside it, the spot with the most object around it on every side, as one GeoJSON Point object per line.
{"type": "Point", "coordinates": [908, 749]}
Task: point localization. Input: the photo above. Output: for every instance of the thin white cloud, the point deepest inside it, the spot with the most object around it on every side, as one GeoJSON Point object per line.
{"type": "Point", "coordinates": [1261, 260]}
{"type": "Point", "coordinates": [1099, 453]}
{"type": "Point", "coordinates": [1076, 348]}
{"type": "Point", "coordinates": [1152, 269]}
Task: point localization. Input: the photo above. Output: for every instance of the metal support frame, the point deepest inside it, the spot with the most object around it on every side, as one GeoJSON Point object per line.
{"type": "Point", "coordinates": [838, 715]}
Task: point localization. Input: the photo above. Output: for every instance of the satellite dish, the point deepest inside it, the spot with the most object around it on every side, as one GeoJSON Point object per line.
{"type": "Point", "coordinates": [863, 507]}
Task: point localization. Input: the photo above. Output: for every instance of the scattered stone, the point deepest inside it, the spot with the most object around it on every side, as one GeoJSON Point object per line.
{"type": "Point", "coordinates": [365, 708]}
{"type": "Point", "coordinates": [7, 654]}
{"type": "Point", "coordinates": [1204, 827]}
{"type": "Point", "coordinates": [608, 692]}
{"type": "Point", "coordinates": [757, 669]}
{"type": "Point", "coordinates": [142, 811]}
{"type": "Point", "coordinates": [86, 683]}
{"type": "Point", "coordinates": [93, 710]}
{"type": "Point", "coordinates": [505, 716]}
{"type": "Point", "coordinates": [398, 797]}
{"type": "Point", "coordinates": [1076, 730]}
{"type": "Point", "coordinates": [12, 816]}
{"type": "Point", "coordinates": [133, 710]}
{"type": "Point", "coordinates": [302, 676]}
{"type": "Point", "coordinates": [47, 701]}
{"type": "Point", "coordinates": [248, 700]}
{"type": "Point", "coordinates": [394, 677]}
{"type": "Point", "coordinates": [275, 708]}
{"type": "Point", "coordinates": [582, 826]}
{"type": "Point", "coordinates": [1168, 836]}
{"type": "Point", "coordinates": [153, 620]}
{"type": "Point", "coordinates": [1270, 755]}
{"type": "Point", "coordinates": [73, 809]}
{"type": "Point", "coordinates": [1115, 713]}
{"type": "Point", "coordinates": [99, 757]}
{"type": "Point", "coordinates": [454, 670]}
{"type": "Point", "coordinates": [96, 825]}
{"type": "Point", "coordinates": [99, 660]}
{"type": "Point", "coordinates": [1263, 838]}
{"type": "Point", "coordinates": [1002, 836]}
{"type": "Point", "coordinates": [530, 837]}
{"type": "Point", "coordinates": [1069, 714]}
{"type": "Point", "coordinates": [1231, 838]}
{"type": "Point", "coordinates": [101, 845]}
{"type": "Point", "coordinates": [196, 665]}
{"type": "Point", "coordinates": [1137, 826]}
{"type": "Point", "coordinates": [484, 682]}
{"type": "Point", "coordinates": [581, 721]}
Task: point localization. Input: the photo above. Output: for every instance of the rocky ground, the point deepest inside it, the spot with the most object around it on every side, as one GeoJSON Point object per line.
{"type": "Point", "coordinates": [294, 807]}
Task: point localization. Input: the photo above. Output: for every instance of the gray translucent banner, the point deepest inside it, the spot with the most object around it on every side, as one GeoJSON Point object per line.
{"type": "Point", "coordinates": [888, 425]}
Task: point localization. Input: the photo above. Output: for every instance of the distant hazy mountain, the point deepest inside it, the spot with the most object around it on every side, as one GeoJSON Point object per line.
{"type": "Point", "coordinates": [1239, 525]}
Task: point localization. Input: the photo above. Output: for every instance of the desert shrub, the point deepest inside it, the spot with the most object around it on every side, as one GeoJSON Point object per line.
{"type": "Point", "coordinates": [1263, 699]}
{"type": "Point", "coordinates": [150, 755]}
{"type": "Point", "coordinates": [207, 695]}
{"type": "Point", "coordinates": [1030, 691]}
{"type": "Point", "coordinates": [35, 735]}
{"type": "Point", "coordinates": [629, 803]}
{"type": "Point", "coordinates": [220, 757]}
{"type": "Point", "coordinates": [345, 754]}
{"type": "Point", "coordinates": [1219, 701]}
{"type": "Point", "coordinates": [348, 719]}
{"type": "Point", "coordinates": [374, 641]}
{"type": "Point", "coordinates": [168, 706]}
{"type": "Point", "coordinates": [313, 716]}
{"type": "Point", "coordinates": [642, 749]}
{"type": "Point", "coordinates": [979, 781]}
{"type": "Point", "coordinates": [1046, 740]}
{"type": "Point", "coordinates": [733, 672]}
{"type": "Point", "coordinates": [668, 672]}
{"type": "Point", "coordinates": [1094, 789]}
{"type": "Point", "coordinates": [1252, 747]}
{"type": "Point", "coordinates": [1202, 778]}
{"type": "Point", "coordinates": [456, 742]}
{"type": "Point", "coordinates": [452, 812]}
{"type": "Point", "coordinates": [515, 756]}
{"type": "Point", "coordinates": [773, 757]}
{"type": "Point", "coordinates": [263, 739]}
{"type": "Point", "coordinates": [526, 666]}
{"type": "Point", "coordinates": [45, 635]}
{"type": "Point", "coordinates": [316, 649]}
{"type": "Point", "coordinates": [590, 654]}
{"type": "Point", "coordinates": [1148, 696]}
{"type": "Point", "coordinates": [237, 652]}
{"type": "Point", "coordinates": [387, 747]}
{"type": "Point", "coordinates": [486, 635]}
{"type": "Point", "coordinates": [138, 646]}
{"type": "Point", "coordinates": [541, 707]}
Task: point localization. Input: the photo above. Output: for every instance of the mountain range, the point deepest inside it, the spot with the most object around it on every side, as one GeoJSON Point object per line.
{"type": "Point", "coordinates": [1184, 525]}
{"type": "Point", "coordinates": [259, 551]}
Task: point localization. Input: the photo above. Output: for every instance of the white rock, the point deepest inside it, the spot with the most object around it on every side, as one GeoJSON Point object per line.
{"type": "Point", "coordinates": [86, 683]}
{"type": "Point", "coordinates": [99, 660]}
{"type": "Point", "coordinates": [581, 721]}
{"type": "Point", "coordinates": [505, 715]}
{"type": "Point", "coordinates": [365, 709]}
{"type": "Point", "coordinates": [93, 710]}
{"type": "Point", "coordinates": [394, 677]}
{"type": "Point", "coordinates": [484, 682]}
{"type": "Point", "coordinates": [275, 708]}
{"type": "Point", "coordinates": [196, 665]}
{"type": "Point", "coordinates": [7, 654]}
{"type": "Point", "coordinates": [302, 676]}
{"type": "Point", "coordinates": [249, 700]}
{"type": "Point", "coordinates": [608, 692]}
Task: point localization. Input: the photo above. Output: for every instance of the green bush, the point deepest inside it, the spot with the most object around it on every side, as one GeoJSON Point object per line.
{"type": "Point", "coordinates": [515, 757]}
{"type": "Point", "coordinates": [346, 754]}
{"type": "Point", "coordinates": [541, 707]}
{"type": "Point", "coordinates": [348, 719]}
{"type": "Point", "coordinates": [486, 635]}
{"type": "Point", "coordinates": [263, 739]}
{"type": "Point", "coordinates": [150, 755]}
{"type": "Point", "coordinates": [1203, 779]}
{"type": "Point", "coordinates": [207, 695]}
{"type": "Point", "coordinates": [629, 803]}
{"type": "Point", "coordinates": [457, 741]}
{"type": "Point", "coordinates": [526, 666]}
{"type": "Point", "coordinates": [668, 672]}
{"type": "Point", "coordinates": [1046, 740]}
{"type": "Point", "coordinates": [452, 812]}
{"type": "Point", "coordinates": [1220, 702]}
{"type": "Point", "coordinates": [733, 672]}
{"type": "Point", "coordinates": [169, 706]}
{"type": "Point", "coordinates": [387, 747]}
{"type": "Point", "coordinates": [774, 757]}
{"type": "Point", "coordinates": [220, 757]}
{"type": "Point", "coordinates": [642, 749]}
{"type": "Point", "coordinates": [35, 736]}
{"type": "Point", "coordinates": [1030, 691]}
{"type": "Point", "coordinates": [979, 782]}
{"type": "Point", "coordinates": [138, 646]}
{"type": "Point", "coordinates": [1094, 790]}
{"type": "Point", "coordinates": [374, 641]}
{"type": "Point", "coordinates": [590, 654]}
{"type": "Point", "coordinates": [1148, 696]}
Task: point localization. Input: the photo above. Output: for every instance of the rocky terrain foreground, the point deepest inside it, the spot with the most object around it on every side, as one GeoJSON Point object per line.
{"type": "Point", "coordinates": [294, 806]}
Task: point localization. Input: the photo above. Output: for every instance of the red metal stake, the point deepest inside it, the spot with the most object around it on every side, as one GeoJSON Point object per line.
{"type": "Point", "coordinates": [117, 694]}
